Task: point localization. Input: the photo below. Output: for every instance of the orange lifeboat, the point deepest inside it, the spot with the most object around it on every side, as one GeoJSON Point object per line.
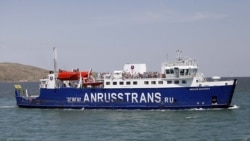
{"type": "Point", "coordinates": [71, 75]}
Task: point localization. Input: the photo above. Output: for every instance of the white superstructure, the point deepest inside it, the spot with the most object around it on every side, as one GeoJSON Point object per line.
{"type": "Point", "coordinates": [183, 72]}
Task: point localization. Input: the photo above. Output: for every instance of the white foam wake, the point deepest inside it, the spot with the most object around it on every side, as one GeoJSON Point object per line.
{"type": "Point", "coordinates": [234, 107]}
{"type": "Point", "coordinates": [6, 107]}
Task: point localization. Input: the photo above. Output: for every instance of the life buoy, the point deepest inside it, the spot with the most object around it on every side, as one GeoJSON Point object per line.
{"type": "Point", "coordinates": [132, 67]}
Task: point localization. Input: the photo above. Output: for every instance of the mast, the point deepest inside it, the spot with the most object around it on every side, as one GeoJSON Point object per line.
{"type": "Point", "coordinates": [178, 56]}
{"type": "Point", "coordinates": [55, 59]}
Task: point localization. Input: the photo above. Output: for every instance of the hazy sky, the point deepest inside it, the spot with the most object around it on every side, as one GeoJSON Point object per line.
{"type": "Point", "coordinates": [106, 34]}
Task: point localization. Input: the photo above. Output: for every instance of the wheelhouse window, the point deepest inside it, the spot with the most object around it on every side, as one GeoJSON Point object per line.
{"type": "Point", "coordinates": [172, 71]}
{"type": "Point", "coordinates": [169, 71]}
{"type": "Point", "coordinates": [182, 72]}
{"type": "Point", "coordinates": [186, 72]}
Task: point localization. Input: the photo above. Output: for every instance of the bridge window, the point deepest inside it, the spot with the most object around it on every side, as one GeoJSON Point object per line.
{"type": "Point", "coordinates": [182, 72]}
{"type": "Point", "coordinates": [186, 72]}
{"type": "Point", "coordinates": [172, 71]}
{"type": "Point", "coordinates": [167, 71]}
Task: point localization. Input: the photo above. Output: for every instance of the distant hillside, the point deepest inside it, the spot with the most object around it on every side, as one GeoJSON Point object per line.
{"type": "Point", "coordinates": [19, 72]}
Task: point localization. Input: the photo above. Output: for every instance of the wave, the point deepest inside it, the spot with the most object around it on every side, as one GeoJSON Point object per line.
{"type": "Point", "coordinates": [191, 117]}
{"type": "Point", "coordinates": [6, 107]}
{"type": "Point", "coordinates": [205, 109]}
{"type": "Point", "coordinates": [234, 107]}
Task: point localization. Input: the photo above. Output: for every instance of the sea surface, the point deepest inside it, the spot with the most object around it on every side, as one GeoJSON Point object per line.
{"type": "Point", "coordinates": [18, 124]}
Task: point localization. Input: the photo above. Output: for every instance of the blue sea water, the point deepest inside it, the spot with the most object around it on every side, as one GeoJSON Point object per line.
{"type": "Point", "coordinates": [18, 124]}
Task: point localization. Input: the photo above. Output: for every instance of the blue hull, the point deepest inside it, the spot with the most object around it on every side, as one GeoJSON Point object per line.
{"type": "Point", "coordinates": [125, 98]}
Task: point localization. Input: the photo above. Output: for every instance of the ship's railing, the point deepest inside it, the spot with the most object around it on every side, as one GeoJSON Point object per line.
{"type": "Point", "coordinates": [184, 61]}
{"type": "Point", "coordinates": [43, 83]}
{"type": "Point", "coordinates": [200, 77]}
{"type": "Point", "coordinates": [127, 75]}
{"type": "Point", "coordinates": [20, 91]}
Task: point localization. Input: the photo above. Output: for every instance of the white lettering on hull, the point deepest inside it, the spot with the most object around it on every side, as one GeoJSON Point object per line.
{"type": "Point", "coordinates": [122, 97]}
{"type": "Point", "coordinates": [199, 89]}
{"type": "Point", "coordinates": [169, 100]}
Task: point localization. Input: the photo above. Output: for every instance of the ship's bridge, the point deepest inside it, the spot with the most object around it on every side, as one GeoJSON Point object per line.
{"type": "Point", "coordinates": [182, 68]}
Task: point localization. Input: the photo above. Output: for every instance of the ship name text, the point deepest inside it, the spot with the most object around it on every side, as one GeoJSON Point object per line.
{"type": "Point", "coordinates": [122, 97]}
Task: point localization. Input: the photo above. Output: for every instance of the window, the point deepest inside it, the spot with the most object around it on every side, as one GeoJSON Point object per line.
{"type": "Point", "coordinates": [128, 83]}
{"type": "Point", "coordinates": [107, 83]}
{"type": "Point", "coordinates": [176, 82]}
{"type": "Point", "coordinates": [167, 71]}
{"type": "Point", "coordinates": [172, 71]}
{"type": "Point", "coordinates": [186, 72]}
{"type": "Point", "coordinates": [169, 82]}
{"type": "Point", "coordinates": [183, 81]}
{"type": "Point", "coordinates": [134, 82]}
{"type": "Point", "coordinates": [182, 72]}
{"type": "Point", "coordinates": [160, 82]}
{"type": "Point", "coordinates": [146, 82]}
{"type": "Point", "coordinates": [153, 82]}
{"type": "Point", "coordinates": [114, 83]}
{"type": "Point", "coordinates": [121, 83]}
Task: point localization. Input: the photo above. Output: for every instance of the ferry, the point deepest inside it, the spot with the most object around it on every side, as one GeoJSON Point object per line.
{"type": "Point", "coordinates": [178, 85]}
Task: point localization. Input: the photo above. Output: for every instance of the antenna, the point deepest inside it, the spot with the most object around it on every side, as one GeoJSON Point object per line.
{"type": "Point", "coordinates": [55, 59]}
{"type": "Point", "coordinates": [178, 57]}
